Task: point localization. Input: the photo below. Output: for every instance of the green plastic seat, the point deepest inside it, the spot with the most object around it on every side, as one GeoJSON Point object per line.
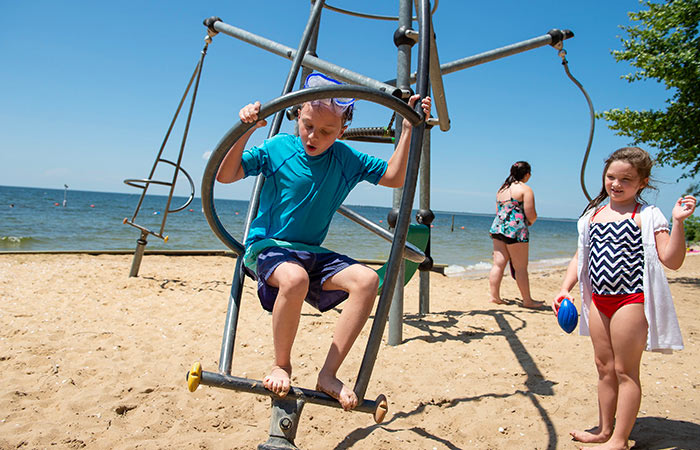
{"type": "Point", "coordinates": [418, 235]}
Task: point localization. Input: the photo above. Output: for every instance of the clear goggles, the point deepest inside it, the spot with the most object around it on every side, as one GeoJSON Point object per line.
{"type": "Point", "coordinates": [318, 80]}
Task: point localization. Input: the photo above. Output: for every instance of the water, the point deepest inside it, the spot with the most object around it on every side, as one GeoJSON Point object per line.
{"type": "Point", "coordinates": [93, 221]}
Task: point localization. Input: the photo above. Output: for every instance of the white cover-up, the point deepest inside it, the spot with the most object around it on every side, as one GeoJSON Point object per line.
{"type": "Point", "coordinates": [664, 332]}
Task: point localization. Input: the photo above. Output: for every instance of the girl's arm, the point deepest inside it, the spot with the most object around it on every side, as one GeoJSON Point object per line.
{"type": "Point", "coordinates": [568, 284]}
{"type": "Point", "coordinates": [396, 166]}
{"type": "Point", "coordinates": [671, 246]}
{"type": "Point", "coordinates": [529, 204]}
{"type": "Point", "coordinates": [230, 169]}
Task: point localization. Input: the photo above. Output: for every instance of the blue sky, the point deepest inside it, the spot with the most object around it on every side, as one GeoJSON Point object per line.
{"type": "Point", "coordinates": [89, 89]}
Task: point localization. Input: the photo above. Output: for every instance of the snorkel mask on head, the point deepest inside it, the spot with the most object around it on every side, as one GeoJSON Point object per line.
{"type": "Point", "coordinates": [343, 106]}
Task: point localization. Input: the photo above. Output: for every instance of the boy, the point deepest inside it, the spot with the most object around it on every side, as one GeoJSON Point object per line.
{"type": "Point", "coordinates": [307, 178]}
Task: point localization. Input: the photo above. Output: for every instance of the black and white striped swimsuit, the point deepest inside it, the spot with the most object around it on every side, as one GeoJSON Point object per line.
{"type": "Point", "coordinates": [616, 259]}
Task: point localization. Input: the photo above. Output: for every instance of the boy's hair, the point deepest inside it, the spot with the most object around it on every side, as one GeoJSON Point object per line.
{"type": "Point", "coordinates": [637, 158]}
{"type": "Point", "coordinates": [344, 113]}
{"type": "Point", "coordinates": [518, 171]}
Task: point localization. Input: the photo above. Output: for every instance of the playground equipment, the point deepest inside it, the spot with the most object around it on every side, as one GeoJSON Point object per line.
{"type": "Point", "coordinates": [145, 183]}
{"type": "Point", "coordinates": [391, 94]}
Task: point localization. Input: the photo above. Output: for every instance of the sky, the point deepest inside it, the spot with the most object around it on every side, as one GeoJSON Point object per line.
{"type": "Point", "coordinates": [88, 90]}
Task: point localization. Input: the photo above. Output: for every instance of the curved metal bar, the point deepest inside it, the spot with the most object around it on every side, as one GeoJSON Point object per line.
{"type": "Point", "coordinates": [285, 101]}
{"type": "Point", "coordinates": [133, 182]}
{"type": "Point", "coordinates": [189, 179]}
{"type": "Point", "coordinates": [372, 16]}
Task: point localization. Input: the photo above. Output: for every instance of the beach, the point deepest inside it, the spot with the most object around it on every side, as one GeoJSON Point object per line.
{"type": "Point", "coordinates": [91, 358]}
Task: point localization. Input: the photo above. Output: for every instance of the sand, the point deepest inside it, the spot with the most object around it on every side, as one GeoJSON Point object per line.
{"type": "Point", "coordinates": [91, 358]}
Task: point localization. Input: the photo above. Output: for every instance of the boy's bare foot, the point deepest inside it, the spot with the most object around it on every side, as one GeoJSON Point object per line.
{"type": "Point", "coordinates": [336, 389]}
{"type": "Point", "coordinates": [592, 436]}
{"type": "Point", "coordinates": [532, 304]}
{"type": "Point", "coordinates": [278, 380]}
{"type": "Point", "coordinates": [498, 301]}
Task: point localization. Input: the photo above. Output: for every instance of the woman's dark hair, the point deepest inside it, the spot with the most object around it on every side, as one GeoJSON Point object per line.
{"type": "Point", "coordinates": [518, 171]}
{"type": "Point", "coordinates": [637, 158]}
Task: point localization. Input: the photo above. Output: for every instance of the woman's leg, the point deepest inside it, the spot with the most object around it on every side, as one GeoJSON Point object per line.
{"type": "Point", "coordinates": [361, 283]}
{"type": "Point", "coordinates": [519, 258]}
{"type": "Point", "coordinates": [293, 283]}
{"type": "Point", "coordinates": [500, 259]}
{"type": "Point", "coordinates": [628, 330]}
{"type": "Point", "coordinates": [604, 355]}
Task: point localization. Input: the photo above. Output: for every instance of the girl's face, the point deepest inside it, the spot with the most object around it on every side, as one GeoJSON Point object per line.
{"type": "Point", "coordinates": [319, 127]}
{"type": "Point", "coordinates": [622, 182]}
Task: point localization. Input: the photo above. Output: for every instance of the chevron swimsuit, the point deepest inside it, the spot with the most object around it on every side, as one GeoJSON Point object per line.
{"type": "Point", "coordinates": [616, 264]}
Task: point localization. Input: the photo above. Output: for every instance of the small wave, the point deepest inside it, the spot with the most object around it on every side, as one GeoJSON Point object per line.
{"type": "Point", "coordinates": [482, 268]}
{"type": "Point", "coordinates": [15, 241]}
{"type": "Point", "coordinates": [549, 263]}
{"type": "Point", "coordinates": [479, 268]}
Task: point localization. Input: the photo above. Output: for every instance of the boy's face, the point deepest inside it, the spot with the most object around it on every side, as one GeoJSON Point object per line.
{"type": "Point", "coordinates": [319, 127]}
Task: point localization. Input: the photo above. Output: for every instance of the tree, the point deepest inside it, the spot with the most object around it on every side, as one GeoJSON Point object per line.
{"type": "Point", "coordinates": [692, 229]}
{"type": "Point", "coordinates": [664, 46]}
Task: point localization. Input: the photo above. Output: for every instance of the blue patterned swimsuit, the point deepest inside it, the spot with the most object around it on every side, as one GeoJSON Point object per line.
{"type": "Point", "coordinates": [510, 221]}
{"type": "Point", "coordinates": [616, 264]}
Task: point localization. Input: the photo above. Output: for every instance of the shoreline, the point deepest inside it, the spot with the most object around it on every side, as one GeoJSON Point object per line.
{"type": "Point", "coordinates": [95, 359]}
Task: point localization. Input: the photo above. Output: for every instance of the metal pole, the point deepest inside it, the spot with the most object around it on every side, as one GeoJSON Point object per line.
{"type": "Point", "coordinates": [424, 205]}
{"type": "Point", "coordinates": [404, 218]}
{"type": "Point", "coordinates": [138, 254]}
{"type": "Point", "coordinates": [310, 61]}
{"type": "Point", "coordinates": [403, 69]}
{"type": "Point", "coordinates": [550, 38]}
{"type": "Point", "coordinates": [411, 252]}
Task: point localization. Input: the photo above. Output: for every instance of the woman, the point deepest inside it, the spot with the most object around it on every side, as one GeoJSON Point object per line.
{"type": "Point", "coordinates": [510, 234]}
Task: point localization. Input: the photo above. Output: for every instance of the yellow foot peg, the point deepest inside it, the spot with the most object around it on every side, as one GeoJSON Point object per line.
{"type": "Point", "coordinates": [382, 408]}
{"type": "Point", "coordinates": [194, 376]}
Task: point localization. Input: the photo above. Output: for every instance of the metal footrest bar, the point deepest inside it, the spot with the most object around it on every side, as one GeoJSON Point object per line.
{"type": "Point", "coordinates": [378, 408]}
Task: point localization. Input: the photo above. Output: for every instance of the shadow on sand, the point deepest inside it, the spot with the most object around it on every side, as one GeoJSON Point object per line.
{"type": "Point", "coordinates": [443, 327]}
{"type": "Point", "coordinates": [658, 433]}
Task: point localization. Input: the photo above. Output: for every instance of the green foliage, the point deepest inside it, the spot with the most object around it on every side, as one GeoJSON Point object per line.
{"type": "Point", "coordinates": [664, 46]}
{"type": "Point", "coordinates": [692, 229]}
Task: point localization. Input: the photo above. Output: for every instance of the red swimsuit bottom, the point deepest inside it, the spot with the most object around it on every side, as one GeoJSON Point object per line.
{"type": "Point", "coordinates": [609, 304]}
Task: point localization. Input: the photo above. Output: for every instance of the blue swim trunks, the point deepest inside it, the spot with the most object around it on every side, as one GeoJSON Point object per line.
{"type": "Point", "coordinates": [319, 266]}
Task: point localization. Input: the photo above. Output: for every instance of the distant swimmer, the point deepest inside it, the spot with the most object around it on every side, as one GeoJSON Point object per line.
{"type": "Point", "coordinates": [12, 205]}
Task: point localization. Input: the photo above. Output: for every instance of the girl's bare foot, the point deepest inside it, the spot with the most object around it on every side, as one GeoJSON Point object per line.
{"type": "Point", "coordinates": [498, 301]}
{"type": "Point", "coordinates": [533, 304]}
{"type": "Point", "coordinates": [607, 446]}
{"type": "Point", "coordinates": [336, 389]}
{"type": "Point", "coordinates": [278, 380]}
{"type": "Point", "coordinates": [592, 436]}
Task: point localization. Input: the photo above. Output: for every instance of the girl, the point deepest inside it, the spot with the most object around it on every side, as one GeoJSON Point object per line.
{"type": "Point", "coordinates": [510, 234]}
{"type": "Point", "coordinates": [626, 302]}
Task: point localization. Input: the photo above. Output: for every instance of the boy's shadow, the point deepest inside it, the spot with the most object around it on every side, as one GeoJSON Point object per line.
{"type": "Point", "coordinates": [656, 433]}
